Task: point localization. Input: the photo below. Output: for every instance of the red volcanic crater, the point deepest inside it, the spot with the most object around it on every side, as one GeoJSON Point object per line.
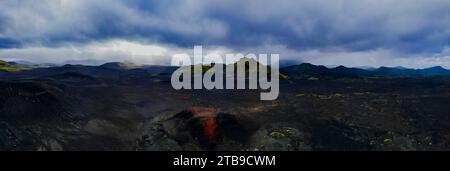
{"type": "Point", "coordinates": [207, 120]}
{"type": "Point", "coordinates": [210, 127]}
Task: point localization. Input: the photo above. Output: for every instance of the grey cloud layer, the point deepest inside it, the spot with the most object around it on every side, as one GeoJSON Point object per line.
{"type": "Point", "coordinates": [405, 27]}
{"type": "Point", "coordinates": [52, 22]}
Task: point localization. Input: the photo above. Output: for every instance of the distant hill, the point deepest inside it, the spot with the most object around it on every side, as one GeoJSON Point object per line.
{"type": "Point", "coordinates": [242, 62]}
{"type": "Point", "coordinates": [300, 71]}
{"type": "Point", "coordinates": [120, 65]}
{"type": "Point", "coordinates": [31, 64]}
{"type": "Point", "coordinates": [5, 66]}
{"type": "Point", "coordinates": [433, 71]}
{"type": "Point", "coordinates": [315, 72]}
{"type": "Point", "coordinates": [310, 71]}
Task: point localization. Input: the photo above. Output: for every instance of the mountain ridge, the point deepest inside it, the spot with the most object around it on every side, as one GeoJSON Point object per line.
{"type": "Point", "coordinates": [299, 69]}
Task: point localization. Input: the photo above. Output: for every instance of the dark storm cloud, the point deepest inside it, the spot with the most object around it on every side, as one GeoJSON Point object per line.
{"type": "Point", "coordinates": [407, 27]}
{"type": "Point", "coordinates": [411, 26]}
{"type": "Point", "coordinates": [6, 43]}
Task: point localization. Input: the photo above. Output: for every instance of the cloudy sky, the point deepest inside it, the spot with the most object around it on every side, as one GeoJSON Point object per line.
{"type": "Point", "coordinates": [412, 33]}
